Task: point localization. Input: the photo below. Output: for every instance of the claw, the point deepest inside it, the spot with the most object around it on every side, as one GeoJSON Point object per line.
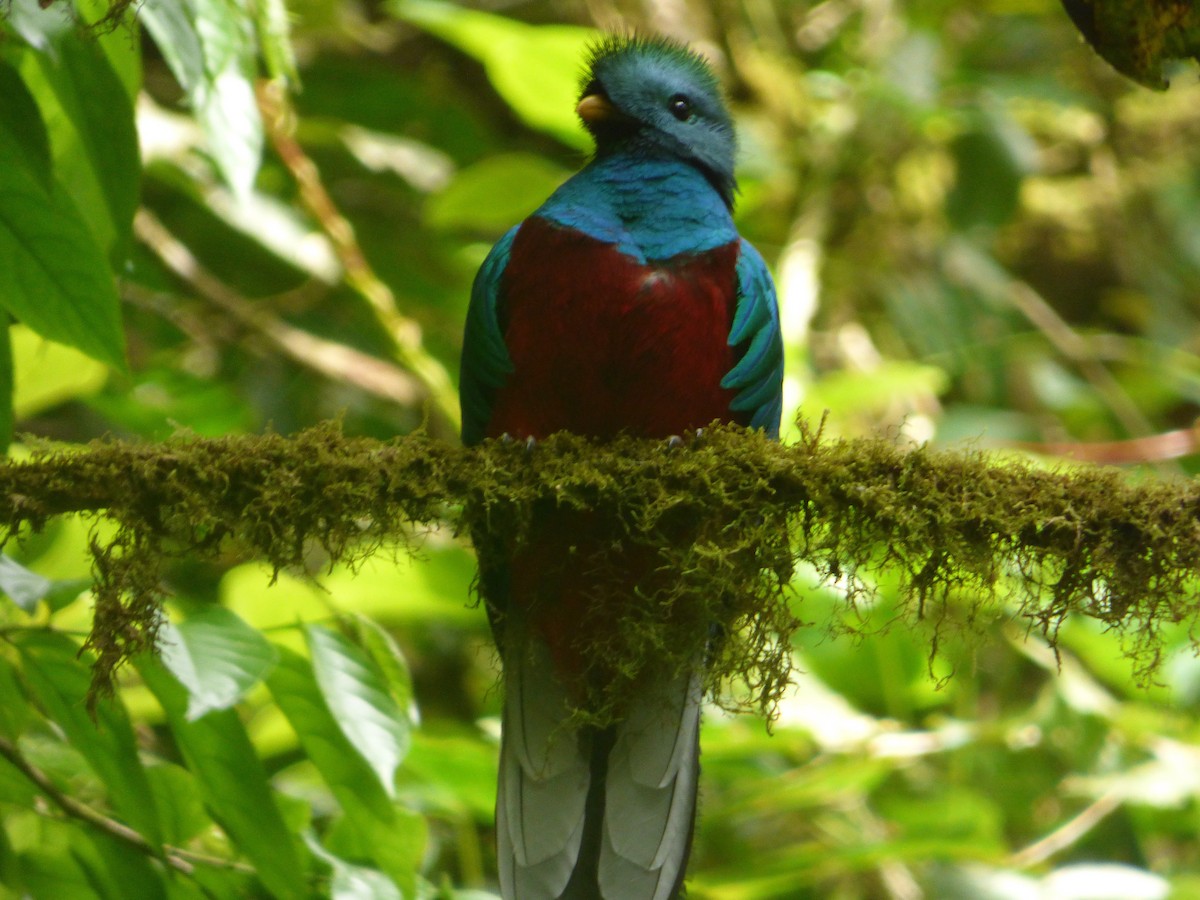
{"type": "Point", "coordinates": [529, 442]}
{"type": "Point", "coordinates": [674, 442]}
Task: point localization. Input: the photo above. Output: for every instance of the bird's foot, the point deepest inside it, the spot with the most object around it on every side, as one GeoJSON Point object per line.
{"type": "Point", "coordinates": [529, 442]}
{"type": "Point", "coordinates": [693, 439]}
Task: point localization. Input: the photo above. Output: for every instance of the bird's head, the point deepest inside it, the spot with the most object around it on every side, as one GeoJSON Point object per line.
{"type": "Point", "coordinates": [654, 96]}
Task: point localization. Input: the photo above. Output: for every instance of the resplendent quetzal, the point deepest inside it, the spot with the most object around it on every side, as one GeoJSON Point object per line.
{"type": "Point", "coordinates": [627, 303]}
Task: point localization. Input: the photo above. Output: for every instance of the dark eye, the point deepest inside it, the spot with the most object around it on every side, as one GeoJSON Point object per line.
{"type": "Point", "coordinates": [680, 107]}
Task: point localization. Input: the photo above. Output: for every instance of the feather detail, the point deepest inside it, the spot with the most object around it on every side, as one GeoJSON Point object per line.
{"type": "Point", "coordinates": [544, 778]}
{"type": "Point", "coordinates": [650, 803]}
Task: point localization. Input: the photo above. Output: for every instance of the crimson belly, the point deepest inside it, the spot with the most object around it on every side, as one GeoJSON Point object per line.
{"type": "Point", "coordinates": [602, 344]}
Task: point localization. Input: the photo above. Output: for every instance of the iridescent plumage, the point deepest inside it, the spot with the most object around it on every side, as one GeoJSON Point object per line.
{"type": "Point", "coordinates": [627, 303]}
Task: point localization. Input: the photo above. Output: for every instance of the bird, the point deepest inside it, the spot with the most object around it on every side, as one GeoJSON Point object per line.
{"type": "Point", "coordinates": [626, 304]}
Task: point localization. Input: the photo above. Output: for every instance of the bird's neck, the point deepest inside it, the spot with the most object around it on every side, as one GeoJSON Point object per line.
{"type": "Point", "coordinates": [650, 208]}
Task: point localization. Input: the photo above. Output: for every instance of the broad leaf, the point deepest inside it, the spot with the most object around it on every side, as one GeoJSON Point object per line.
{"type": "Point", "coordinates": [390, 661]}
{"type": "Point", "coordinates": [494, 193]}
{"type": "Point", "coordinates": [216, 656]}
{"type": "Point", "coordinates": [207, 44]}
{"type": "Point", "coordinates": [274, 36]}
{"type": "Point", "coordinates": [15, 713]}
{"type": "Point", "coordinates": [534, 68]}
{"type": "Point", "coordinates": [351, 882]}
{"type": "Point", "coordinates": [7, 383]}
{"type": "Point", "coordinates": [47, 373]}
{"type": "Point", "coordinates": [381, 830]}
{"type": "Point", "coordinates": [21, 586]}
{"type": "Point", "coordinates": [93, 140]}
{"type": "Point", "coordinates": [58, 680]}
{"type": "Point", "coordinates": [179, 804]}
{"type": "Point", "coordinates": [358, 697]}
{"type": "Point", "coordinates": [233, 784]}
{"type": "Point", "coordinates": [55, 278]}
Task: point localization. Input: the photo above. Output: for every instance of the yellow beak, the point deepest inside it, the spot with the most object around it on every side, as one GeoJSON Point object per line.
{"type": "Point", "coordinates": [595, 108]}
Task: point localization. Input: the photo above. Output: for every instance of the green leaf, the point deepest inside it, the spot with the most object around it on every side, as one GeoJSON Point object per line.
{"type": "Point", "coordinates": [357, 694]}
{"type": "Point", "coordinates": [26, 588]}
{"type": "Point", "coordinates": [216, 656]}
{"type": "Point", "coordinates": [455, 773]}
{"type": "Point", "coordinates": [58, 678]}
{"type": "Point", "coordinates": [386, 833]}
{"type": "Point", "coordinates": [535, 68]}
{"type": "Point", "coordinates": [7, 383]}
{"type": "Point", "coordinates": [48, 373]}
{"type": "Point", "coordinates": [93, 140]}
{"type": "Point", "coordinates": [991, 159]}
{"type": "Point", "coordinates": [15, 713]}
{"type": "Point", "coordinates": [122, 872]}
{"type": "Point", "coordinates": [493, 194]}
{"type": "Point", "coordinates": [274, 37]}
{"type": "Point", "coordinates": [351, 882]}
{"type": "Point", "coordinates": [179, 804]}
{"type": "Point", "coordinates": [233, 784]}
{"type": "Point", "coordinates": [54, 278]}
{"type": "Point", "coordinates": [29, 143]}
{"type": "Point", "coordinates": [391, 662]}
{"type": "Point", "coordinates": [207, 45]}
{"type": "Point", "coordinates": [21, 586]}
{"type": "Point", "coordinates": [119, 39]}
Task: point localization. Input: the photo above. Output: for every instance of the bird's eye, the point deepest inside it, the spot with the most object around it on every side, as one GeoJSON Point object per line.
{"type": "Point", "coordinates": [680, 107]}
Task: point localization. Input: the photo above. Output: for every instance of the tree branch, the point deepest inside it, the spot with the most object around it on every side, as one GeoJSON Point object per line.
{"type": "Point", "coordinates": [338, 362]}
{"type": "Point", "coordinates": [405, 333]}
{"type": "Point", "coordinates": [970, 537]}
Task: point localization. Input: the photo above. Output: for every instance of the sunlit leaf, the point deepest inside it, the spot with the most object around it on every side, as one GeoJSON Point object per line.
{"type": "Point", "coordinates": [274, 36]}
{"type": "Point", "coordinates": [216, 656]}
{"type": "Point", "coordinates": [207, 45]}
{"type": "Point", "coordinates": [357, 694]}
{"type": "Point", "coordinates": [233, 784]}
{"type": "Point", "coordinates": [390, 661]}
{"type": "Point", "coordinates": [382, 830]}
{"type": "Point", "coordinates": [48, 373]}
{"type": "Point", "coordinates": [55, 278]}
{"type": "Point", "coordinates": [534, 68]}
{"type": "Point", "coordinates": [351, 882]}
{"type": "Point", "coordinates": [494, 194]}
{"type": "Point", "coordinates": [21, 586]}
{"type": "Point", "coordinates": [89, 120]}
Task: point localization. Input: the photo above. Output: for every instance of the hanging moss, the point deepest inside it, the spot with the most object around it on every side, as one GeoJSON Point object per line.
{"type": "Point", "coordinates": [726, 517]}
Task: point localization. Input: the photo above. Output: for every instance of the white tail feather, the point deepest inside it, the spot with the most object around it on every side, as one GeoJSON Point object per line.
{"type": "Point", "coordinates": [651, 794]}
{"type": "Point", "coordinates": [544, 780]}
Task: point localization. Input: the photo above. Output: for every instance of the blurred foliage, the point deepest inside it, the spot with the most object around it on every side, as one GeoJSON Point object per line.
{"type": "Point", "coordinates": [980, 232]}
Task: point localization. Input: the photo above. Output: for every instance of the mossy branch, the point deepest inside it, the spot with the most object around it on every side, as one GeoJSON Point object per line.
{"type": "Point", "coordinates": [731, 512]}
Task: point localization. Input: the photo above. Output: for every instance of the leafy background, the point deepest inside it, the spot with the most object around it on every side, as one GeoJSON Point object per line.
{"type": "Point", "coordinates": [980, 233]}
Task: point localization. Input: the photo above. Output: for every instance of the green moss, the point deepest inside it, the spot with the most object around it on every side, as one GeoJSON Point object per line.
{"type": "Point", "coordinates": [719, 523]}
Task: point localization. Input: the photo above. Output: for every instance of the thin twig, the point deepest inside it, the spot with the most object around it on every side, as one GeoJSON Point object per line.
{"type": "Point", "coordinates": [336, 361]}
{"type": "Point", "coordinates": [964, 264]}
{"type": "Point", "coordinates": [1153, 448]}
{"type": "Point", "coordinates": [1068, 833]}
{"type": "Point", "coordinates": [279, 120]}
{"type": "Point", "coordinates": [177, 858]}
